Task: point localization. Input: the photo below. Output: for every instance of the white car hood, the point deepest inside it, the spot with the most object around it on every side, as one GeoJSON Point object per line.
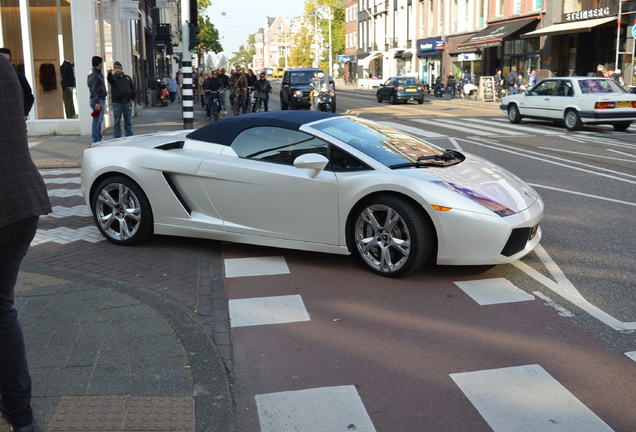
{"type": "Point", "coordinates": [482, 180]}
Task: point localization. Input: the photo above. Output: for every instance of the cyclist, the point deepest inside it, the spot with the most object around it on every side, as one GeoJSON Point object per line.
{"type": "Point", "coordinates": [263, 88]}
{"type": "Point", "coordinates": [241, 88]}
{"type": "Point", "coordinates": [212, 85]}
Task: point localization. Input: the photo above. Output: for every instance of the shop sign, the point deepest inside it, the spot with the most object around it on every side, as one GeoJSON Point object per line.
{"type": "Point", "coordinates": [430, 46]}
{"type": "Point", "coordinates": [467, 57]}
{"type": "Point", "coordinates": [128, 9]}
{"type": "Point", "coordinates": [590, 14]}
{"type": "Point", "coordinates": [344, 58]}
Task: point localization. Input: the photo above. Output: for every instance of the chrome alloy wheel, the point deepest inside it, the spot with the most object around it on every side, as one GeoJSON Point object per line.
{"type": "Point", "coordinates": [382, 238]}
{"type": "Point", "coordinates": [118, 211]}
{"type": "Point", "coordinates": [512, 113]}
{"type": "Point", "coordinates": [570, 119]}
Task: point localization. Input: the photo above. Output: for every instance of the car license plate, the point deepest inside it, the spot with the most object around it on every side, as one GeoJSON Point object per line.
{"type": "Point", "coordinates": [623, 104]}
{"type": "Point", "coordinates": [411, 90]}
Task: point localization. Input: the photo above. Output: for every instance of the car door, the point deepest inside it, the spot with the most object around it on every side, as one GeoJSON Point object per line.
{"type": "Point", "coordinates": [536, 101]}
{"type": "Point", "coordinates": [285, 87]}
{"type": "Point", "coordinates": [386, 89]}
{"type": "Point", "coordinates": [261, 193]}
{"type": "Point", "coordinates": [564, 93]}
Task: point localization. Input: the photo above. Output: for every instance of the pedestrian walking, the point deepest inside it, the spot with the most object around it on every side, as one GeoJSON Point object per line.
{"type": "Point", "coordinates": [173, 88]}
{"type": "Point", "coordinates": [122, 91]}
{"type": "Point", "coordinates": [97, 87]}
{"type": "Point", "coordinates": [27, 93]}
{"type": "Point", "coordinates": [23, 198]}
{"type": "Point", "coordinates": [532, 79]}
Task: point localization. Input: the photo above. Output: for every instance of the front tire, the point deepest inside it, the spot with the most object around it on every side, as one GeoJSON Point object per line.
{"type": "Point", "coordinates": [391, 236]}
{"type": "Point", "coordinates": [283, 105]}
{"type": "Point", "coordinates": [622, 126]}
{"type": "Point", "coordinates": [379, 99]}
{"type": "Point", "coordinates": [513, 114]}
{"type": "Point", "coordinates": [122, 211]}
{"type": "Point", "coordinates": [572, 120]}
{"type": "Point", "coordinates": [420, 101]}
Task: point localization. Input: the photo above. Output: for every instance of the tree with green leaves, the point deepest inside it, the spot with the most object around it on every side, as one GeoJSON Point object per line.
{"type": "Point", "coordinates": [208, 33]}
{"type": "Point", "coordinates": [245, 54]}
{"type": "Point", "coordinates": [301, 54]}
{"type": "Point", "coordinates": [319, 10]}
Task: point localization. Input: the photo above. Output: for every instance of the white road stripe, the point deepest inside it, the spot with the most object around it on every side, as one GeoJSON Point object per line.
{"type": "Point", "coordinates": [267, 310]}
{"type": "Point", "coordinates": [515, 127]}
{"type": "Point", "coordinates": [620, 152]}
{"type": "Point", "coordinates": [568, 291]}
{"type": "Point", "coordinates": [62, 212]}
{"type": "Point", "coordinates": [60, 172]}
{"type": "Point", "coordinates": [34, 143]}
{"type": "Point", "coordinates": [582, 194]}
{"type": "Point", "coordinates": [62, 180]}
{"type": "Point", "coordinates": [504, 148]}
{"type": "Point", "coordinates": [526, 399]}
{"type": "Point", "coordinates": [64, 235]}
{"type": "Point", "coordinates": [412, 130]}
{"type": "Point", "coordinates": [64, 192]}
{"type": "Point", "coordinates": [324, 409]}
{"type": "Point", "coordinates": [258, 266]}
{"type": "Point", "coordinates": [548, 301]}
{"type": "Point", "coordinates": [454, 142]}
{"type": "Point", "coordinates": [488, 128]}
{"type": "Point", "coordinates": [493, 291]}
{"type": "Point", "coordinates": [585, 154]}
{"type": "Point", "coordinates": [631, 355]}
{"type": "Point", "coordinates": [455, 128]}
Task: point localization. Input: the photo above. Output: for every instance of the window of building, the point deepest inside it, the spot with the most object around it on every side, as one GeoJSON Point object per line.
{"type": "Point", "coordinates": [500, 8]}
{"type": "Point", "coordinates": [277, 145]}
{"type": "Point", "coordinates": [431, 16]}
{"type": "Point", "coordinates": [517, 7]}
{"type": "Point", "coordinates": [538, 4]}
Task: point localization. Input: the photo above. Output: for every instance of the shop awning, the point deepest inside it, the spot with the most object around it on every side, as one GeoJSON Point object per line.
{"type": "Point", "coordinates": [365, 61]}
{"type": "Point", "coordinates": [494, 34]}
{"type": "Point", "coordinates": [569, 27]}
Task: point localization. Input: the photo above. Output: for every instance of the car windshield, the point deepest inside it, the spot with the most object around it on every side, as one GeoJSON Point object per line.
{"type": "Point", "coordinates": [589, 86]}
{"type": "Point", "coordinates": [405, 81]}
{"type": "Point", "coordinates": [302, 77]}
{"type": "Point", "coordinates": [384, 144]}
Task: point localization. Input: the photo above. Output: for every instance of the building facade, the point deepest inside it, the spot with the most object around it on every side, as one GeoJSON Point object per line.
{"type": "Point", "coordinates": [276, 42]}
{"type": "Point", "coordinates": [386, 38]}
{"type": "Point", "coordinates": [43, 35]}
{"type": "Point", "coordinates": [349, 60]}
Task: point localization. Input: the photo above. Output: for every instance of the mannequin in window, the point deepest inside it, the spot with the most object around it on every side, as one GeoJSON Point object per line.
{"type": "Point", "coordinates": [67, 71]}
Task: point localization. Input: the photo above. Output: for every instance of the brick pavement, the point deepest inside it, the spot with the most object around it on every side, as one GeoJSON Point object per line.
{"type": "Point", "coordinates": [110, 329]}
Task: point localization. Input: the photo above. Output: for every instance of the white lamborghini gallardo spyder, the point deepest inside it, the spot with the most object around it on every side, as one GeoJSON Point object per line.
{"type": "Point", "coordinates": [313, 181]}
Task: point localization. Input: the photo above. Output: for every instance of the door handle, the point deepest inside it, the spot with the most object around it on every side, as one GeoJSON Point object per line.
{"type": "Point", "coordinates": [546, 99]}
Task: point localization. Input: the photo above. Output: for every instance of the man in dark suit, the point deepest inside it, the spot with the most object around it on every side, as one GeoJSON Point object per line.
{"type": "Point", "coordinates": [26, 88]}
{"type": "Point", "coordinates": [23, 198]}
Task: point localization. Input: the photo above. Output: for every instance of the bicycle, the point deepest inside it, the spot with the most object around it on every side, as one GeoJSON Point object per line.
{"type": "Point", "coordinates": [259, 101]}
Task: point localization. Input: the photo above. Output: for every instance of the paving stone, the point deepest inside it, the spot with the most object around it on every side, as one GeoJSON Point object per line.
{"type": "Point", "coordinates": [104, 330]}
{"type": "Point", "coordinates": [59, 381]}
{"type": "Point", "coordinates": [146, 327]}
{"type": "Point", "coordinates": [110, 380]}
{"type": "Point", "coordinates": [153, 346]}
{"type": "Point", "coordinates": [43, 356]}
{"type": "Point", "coordinates": [84, 354]}
{"type": "Point", "coordinates": [125, 313]}
{"type": "Point", "coordinates": [89, 413]}
{"type": "Point", "coordinates": [160, 414]}
{"type": "Point", "coordinates": [114, 354]}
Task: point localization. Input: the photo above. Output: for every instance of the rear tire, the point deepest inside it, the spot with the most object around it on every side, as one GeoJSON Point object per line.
{"type": "Point", "coordinates": [513, 114]}
{"type": "Point", "coordinates": [572, 120]}
{"type": "Point", "coordinates": [390, 236]}
{"type": "Point", "coordinates": [622, 126]}
{"type": "Point", "coordinates": [283, 105]}
{"type": "Point", "coordinates": [420, 101]}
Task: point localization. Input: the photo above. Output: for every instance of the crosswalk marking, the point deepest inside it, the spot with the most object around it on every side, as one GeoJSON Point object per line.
{"type": "Point", "coordinates": [60, 172]}
{"type": "Point", "coordinates": [526, 399]}
{"type": "Point", "coordinates": [631, 355]}
{"type": "Point", "coordinates": [513, 126]}
{"type": "Point", "coordinates": [267, 310]}
{"type": "Point", "coordinates": [455, 128]}
{"type": "Point", "coordinates": [258, 266]}
{"type": "Point", "coordinates": [412, 130]}
{"type": "Point", "coordinates": [493, 291]}
{"type": "Point", "coordinates": [62, 180]}
{"type": "Point", "coordinates": [63, 193]}
{"type": "Point", "coordinates": [324, 409]}
{"type": "Point", "coordinates": [490, 129]}
{"type": "Point", "coordinates": [64, 235]}
{"type": "Point", "coordinates": [60, 212]}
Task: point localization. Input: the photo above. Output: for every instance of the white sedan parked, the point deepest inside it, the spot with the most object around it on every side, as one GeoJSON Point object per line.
{"type": "Point", "coordinates": [575, 101]}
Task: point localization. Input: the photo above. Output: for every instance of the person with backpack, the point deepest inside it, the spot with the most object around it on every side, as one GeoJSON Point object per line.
{"type": "Point", "coordinates": [122, 91]}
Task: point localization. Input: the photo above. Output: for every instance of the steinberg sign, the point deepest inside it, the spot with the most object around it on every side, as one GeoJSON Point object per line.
{"type": "Point", "coordinates": [590, 14]}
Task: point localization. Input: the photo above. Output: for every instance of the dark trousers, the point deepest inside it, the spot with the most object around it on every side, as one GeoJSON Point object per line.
{"type": "Point", "coordinates": [15, 381]}
{"type": "Point", "coordinates": [264, 101]}
{"type": "Point", "coordinates": [69, 107]}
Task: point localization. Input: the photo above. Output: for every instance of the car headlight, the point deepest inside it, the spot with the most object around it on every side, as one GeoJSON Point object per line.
{"type": "Point", "coordinates": [298, 93]}
{"type": "Point", "coordinates": [490, 204]}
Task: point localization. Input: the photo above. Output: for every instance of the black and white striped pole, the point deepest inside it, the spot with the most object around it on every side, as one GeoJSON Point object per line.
{"type": "Point", "coordinates": [186, 68]}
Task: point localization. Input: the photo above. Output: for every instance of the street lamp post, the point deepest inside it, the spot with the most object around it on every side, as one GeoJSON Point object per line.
{"type": "Point", "coordinates": [330, 47]}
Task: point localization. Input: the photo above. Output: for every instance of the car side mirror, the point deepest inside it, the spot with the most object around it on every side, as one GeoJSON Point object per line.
{"type": "Point", "coordinates": [313, 161]}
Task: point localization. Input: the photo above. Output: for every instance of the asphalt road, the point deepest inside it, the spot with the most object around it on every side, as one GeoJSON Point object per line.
{"type": "Point", "coordinates": [415, 349]}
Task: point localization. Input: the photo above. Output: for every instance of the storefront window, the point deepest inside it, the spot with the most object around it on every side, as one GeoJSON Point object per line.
{"type": "Point", "coordinates": [52, 47]}
{"type": "Point", "coordinates": [10, 34]}
{"type": "Point", "coordinates": [525, 54]}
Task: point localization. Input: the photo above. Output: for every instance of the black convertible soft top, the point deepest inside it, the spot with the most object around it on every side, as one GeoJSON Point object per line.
{"type": "Point", "coordinates": [224, 131]}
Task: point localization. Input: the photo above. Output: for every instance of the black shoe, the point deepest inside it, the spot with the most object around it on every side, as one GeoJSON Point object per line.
{"type": "Point", "coordinates": [28, 428]}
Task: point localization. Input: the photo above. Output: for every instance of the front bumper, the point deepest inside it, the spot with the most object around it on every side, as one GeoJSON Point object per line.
{"type": "Point", "coordinates": [468, 238]}
{"type": "Point", "coordinates": [503, 107]}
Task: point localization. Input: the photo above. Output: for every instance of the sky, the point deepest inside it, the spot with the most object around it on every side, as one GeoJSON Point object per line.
{"type": "Point", "coordinates": [236, 19]}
